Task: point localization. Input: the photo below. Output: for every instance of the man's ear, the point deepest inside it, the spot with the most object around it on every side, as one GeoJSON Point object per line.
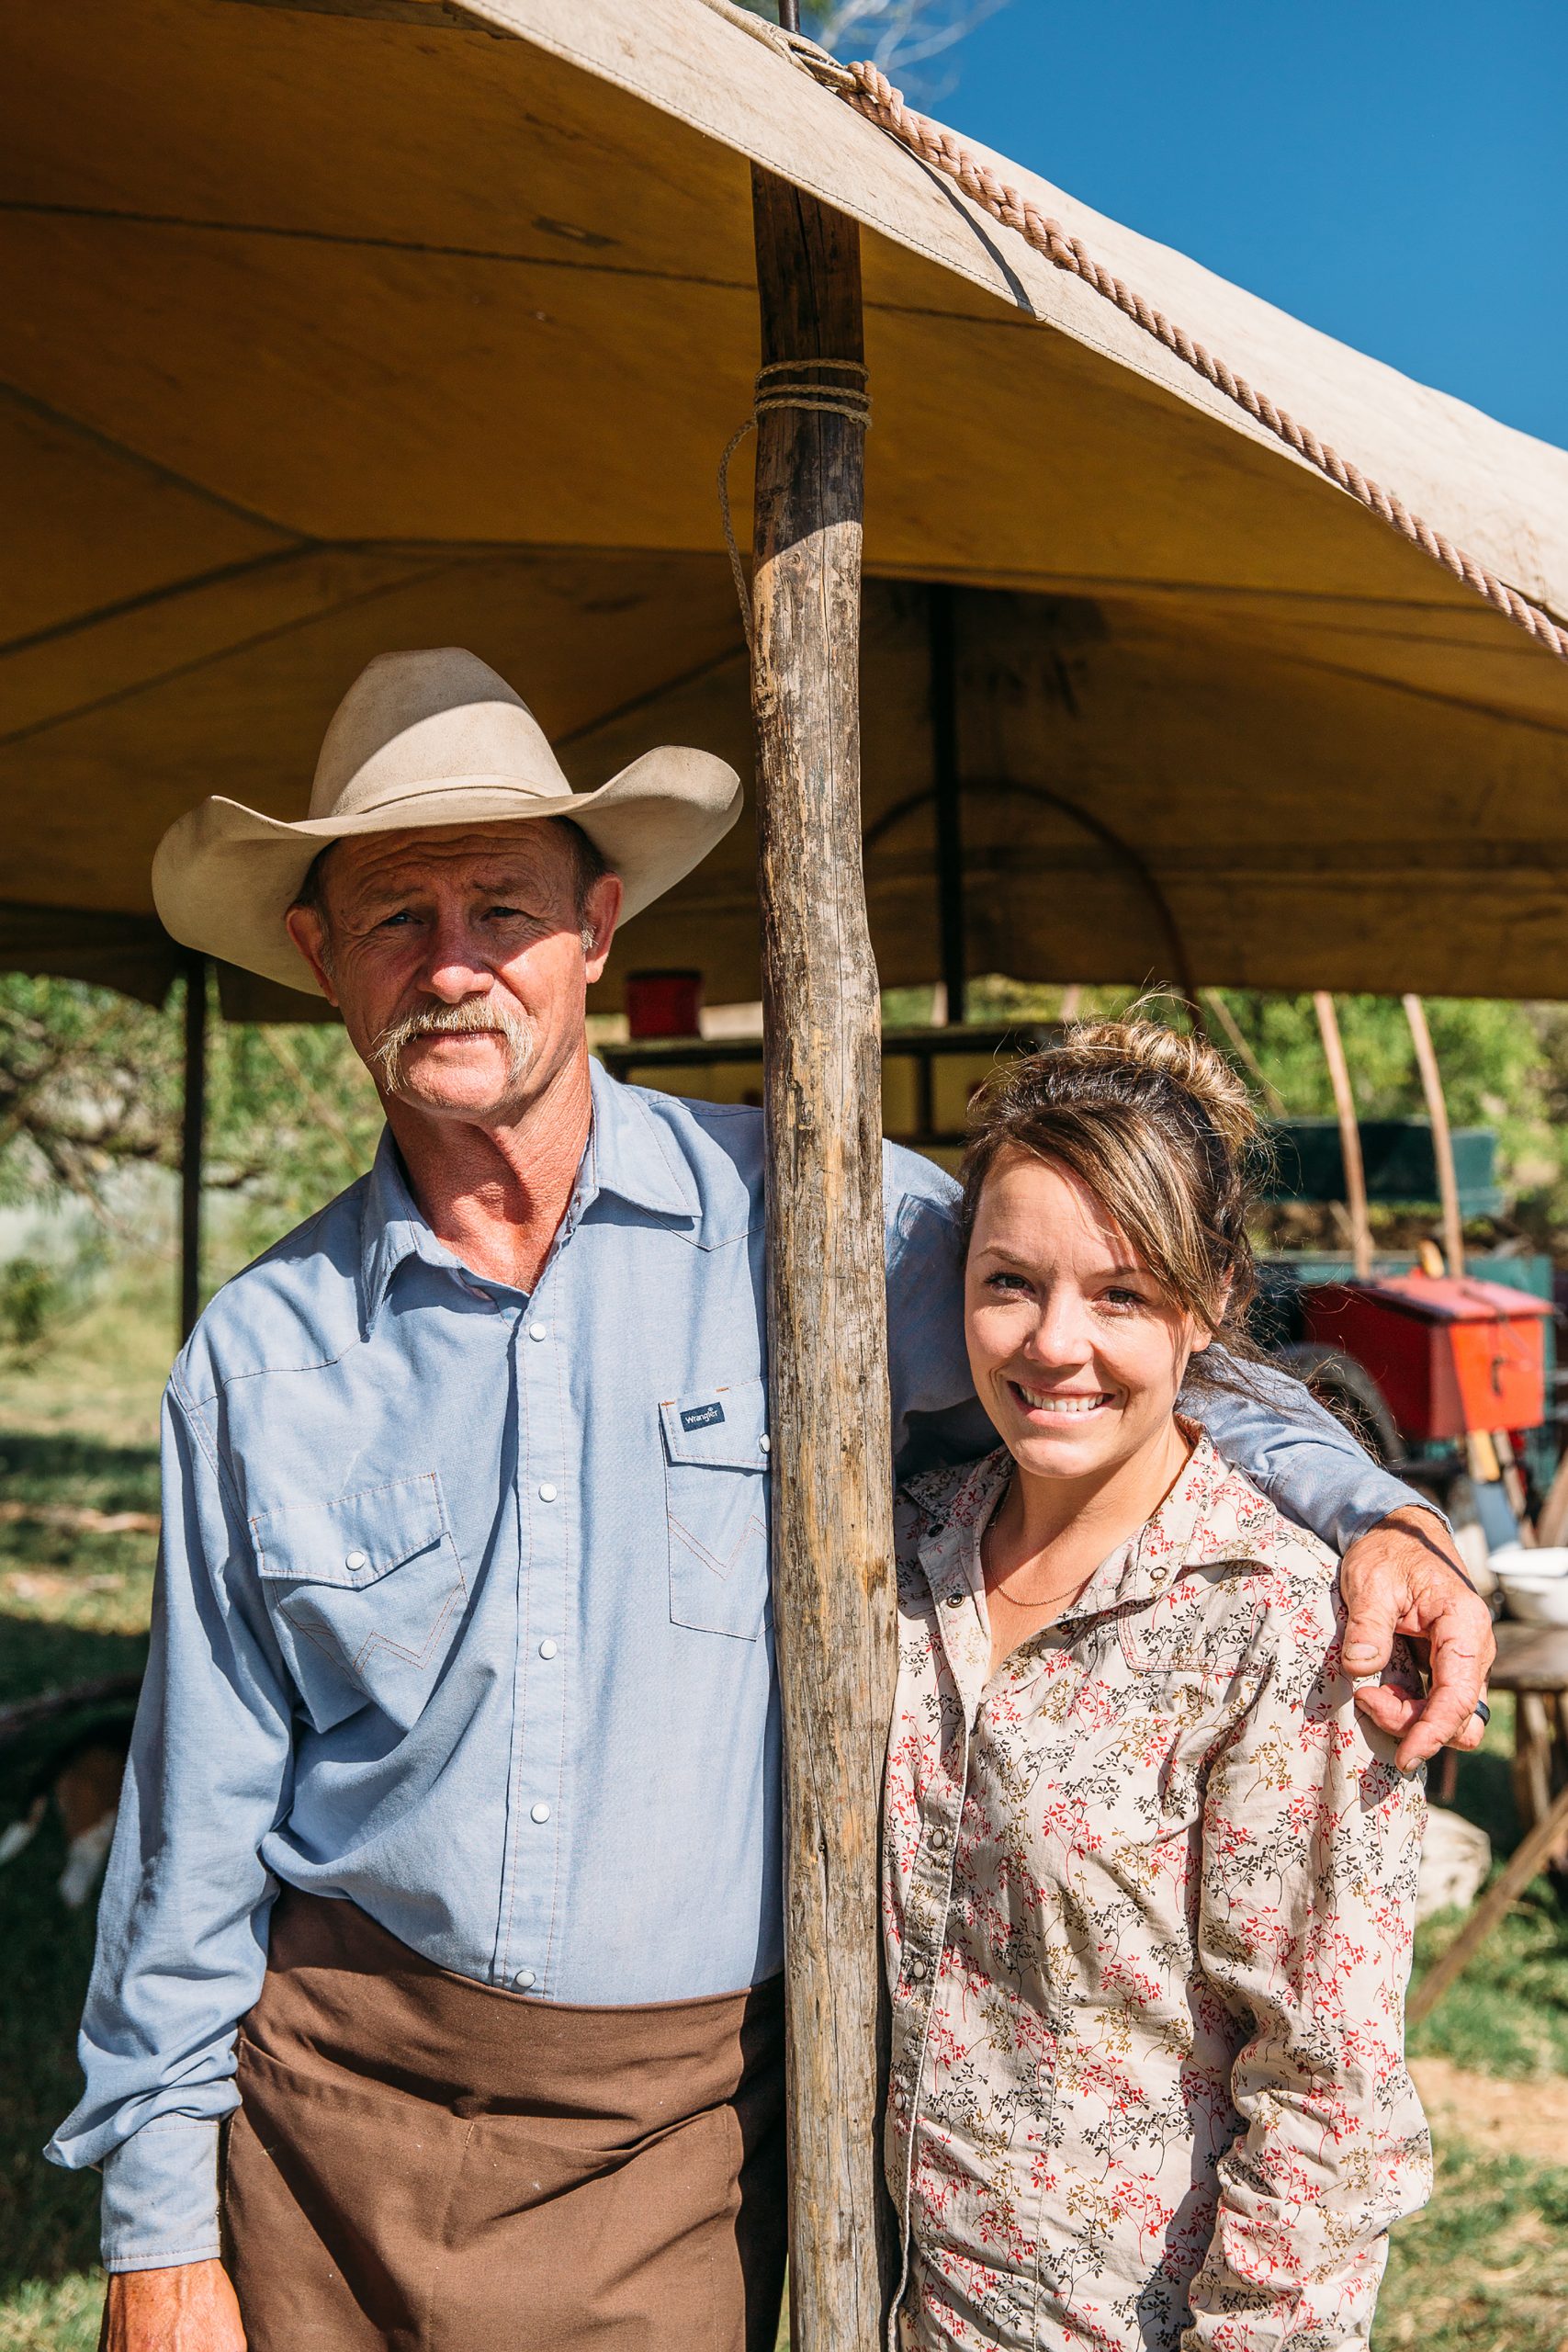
{"type": "Point", "coordinates": [600, 915]}
{"type": "Point", "coordinates": [308, 933]}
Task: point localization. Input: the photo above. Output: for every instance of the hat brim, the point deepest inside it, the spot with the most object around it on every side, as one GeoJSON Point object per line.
{"type": "Point", "coordinates": [224, 877]}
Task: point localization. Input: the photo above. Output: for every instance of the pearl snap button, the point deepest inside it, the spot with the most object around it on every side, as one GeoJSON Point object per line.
{"type": "Point", "coordinates": [546, 1649]}
{"type": "Point", "coordinates": [538, 1330]}
{"type": "Point", "coordinates": [547, 1492]}
{"type": "Point", "coordinates": [915, 1972]}
{"type": "Point", "coordinates": [524, 1978]}
{"type": "Point", "coordinates": [356, 1560]}
{"type": "Point", "coordinates": [766, 1443]}
{"type": "Point", "coordinates": [540, 1813]}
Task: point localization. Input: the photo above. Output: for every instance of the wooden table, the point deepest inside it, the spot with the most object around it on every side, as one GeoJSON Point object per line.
{"type": "Point", "coordinates": [1532, 1662]}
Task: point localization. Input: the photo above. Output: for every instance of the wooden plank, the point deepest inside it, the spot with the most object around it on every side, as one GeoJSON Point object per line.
{"type": "Point", "coordinates": [827, 1334]}
{"type": "Point", "coordinates": [1537, 1850]}
{"type": "Point", "coordinates": [1530, 1657]}
{"type": "Point", "coordinates": [1349, 1132]}
{"type": "Point", "coordinates": [1442, 1142]}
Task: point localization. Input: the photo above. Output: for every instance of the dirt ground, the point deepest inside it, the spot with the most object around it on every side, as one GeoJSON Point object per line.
{"type": "Point", "coordinates": [1504, 2119]}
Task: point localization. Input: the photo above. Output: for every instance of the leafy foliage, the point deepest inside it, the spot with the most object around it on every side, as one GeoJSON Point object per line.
{"type": "Point", "coordinates": [92, 1084]}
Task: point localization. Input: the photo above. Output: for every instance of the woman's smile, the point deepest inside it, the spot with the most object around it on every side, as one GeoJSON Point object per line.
{"type": "Point", "coordinates": [1057, 1404]}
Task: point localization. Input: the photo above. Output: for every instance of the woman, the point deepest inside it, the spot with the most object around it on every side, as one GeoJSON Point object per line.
{"type": "Point", "coordinates": [1149, 1879]}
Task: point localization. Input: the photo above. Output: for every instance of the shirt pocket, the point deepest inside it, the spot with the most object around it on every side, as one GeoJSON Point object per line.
{"type": "Point", "coordinates": [716, 1483]}
{"type": "Point", "coordinates": [365, 1594]}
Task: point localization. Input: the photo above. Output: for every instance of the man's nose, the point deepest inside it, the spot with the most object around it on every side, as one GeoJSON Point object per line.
{"type": "Point", "coordinates": [453, 965]}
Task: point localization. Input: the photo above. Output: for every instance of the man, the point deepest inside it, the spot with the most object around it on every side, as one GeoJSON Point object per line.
{"type": "Point", "coordinates": [455, 1783]}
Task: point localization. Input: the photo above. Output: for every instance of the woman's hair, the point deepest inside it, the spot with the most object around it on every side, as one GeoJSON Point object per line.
{"type": "Point", "coordinates": [1162, 1131]}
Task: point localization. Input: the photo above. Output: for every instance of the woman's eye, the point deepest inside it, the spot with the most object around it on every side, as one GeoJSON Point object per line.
{"type": "Point", "coordinates": [1013, 1283]}
{"type": "Point", "coordinates": [1122, 1299]}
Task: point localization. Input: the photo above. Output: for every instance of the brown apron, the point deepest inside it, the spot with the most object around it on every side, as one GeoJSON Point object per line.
{"type": "Point", "coordinates": [425, 2163]}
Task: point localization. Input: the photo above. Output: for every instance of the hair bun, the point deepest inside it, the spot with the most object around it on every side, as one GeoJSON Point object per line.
{"type": "Point", "coordinates": [1186, 1058]}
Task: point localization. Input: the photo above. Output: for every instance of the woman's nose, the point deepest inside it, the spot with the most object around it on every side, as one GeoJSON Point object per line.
{"type": "Point", "coordinates": [1061, 1335]}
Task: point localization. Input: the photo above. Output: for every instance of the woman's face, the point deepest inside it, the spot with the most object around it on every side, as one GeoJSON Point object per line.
{"type": "Point", "coordinates": [1076, 1355]}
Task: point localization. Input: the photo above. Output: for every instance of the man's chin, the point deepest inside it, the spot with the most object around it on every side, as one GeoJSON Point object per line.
{"type": "Point", "coordinates": [482, 1103]}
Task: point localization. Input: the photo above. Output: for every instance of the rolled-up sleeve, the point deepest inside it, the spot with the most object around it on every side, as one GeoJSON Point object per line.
{"type": "Point", "coordinates": [1304, 1461]}
{"type": "Point", "coordinates": [1311, 1843]}
{"type": "Point", "coordinates": [182, 1923]}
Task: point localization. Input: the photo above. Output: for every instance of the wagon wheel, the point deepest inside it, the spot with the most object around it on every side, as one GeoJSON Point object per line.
{"type": "Point", "coordinates": [1348, 1391]}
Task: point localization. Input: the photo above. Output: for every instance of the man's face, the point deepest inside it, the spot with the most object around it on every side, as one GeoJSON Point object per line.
{"type": "Point", "coordinates": [457, 958]}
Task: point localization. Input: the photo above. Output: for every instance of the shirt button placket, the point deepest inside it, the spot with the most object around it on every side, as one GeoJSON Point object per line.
{"type": "Point", "coordinates": [532, 1954]}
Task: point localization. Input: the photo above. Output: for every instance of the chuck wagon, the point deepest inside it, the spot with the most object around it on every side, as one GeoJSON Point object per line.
{"type": "Point", "coordinates": [1145, 631]}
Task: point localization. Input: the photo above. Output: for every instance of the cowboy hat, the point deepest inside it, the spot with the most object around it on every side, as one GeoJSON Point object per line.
{"type": "Point", "coordinates": [433, 738]}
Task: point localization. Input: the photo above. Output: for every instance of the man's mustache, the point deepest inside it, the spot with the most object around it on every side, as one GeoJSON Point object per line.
{"type": "Point", "coordinates": [475, 1016]}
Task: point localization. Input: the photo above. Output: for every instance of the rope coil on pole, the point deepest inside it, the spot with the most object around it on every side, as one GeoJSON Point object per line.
{"type": "Point", "coordinates": [866, 87]}
{"type": "Point", "coordinates": [789, 383]}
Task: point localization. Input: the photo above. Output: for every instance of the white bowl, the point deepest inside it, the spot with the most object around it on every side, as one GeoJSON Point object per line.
{"type": "Point", "coordinates": [1518, 1560]}
{"type": "Point", "coordinates": [1536, 1600]}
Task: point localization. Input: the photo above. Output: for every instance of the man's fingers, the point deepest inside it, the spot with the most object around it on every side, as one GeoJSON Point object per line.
{"type": "Point", "coordinates": [1368, 1632]}
{"type": "Point", "coordinates": [1421, 1726]}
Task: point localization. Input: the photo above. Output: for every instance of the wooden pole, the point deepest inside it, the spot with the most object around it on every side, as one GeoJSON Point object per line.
{"type": "Point", "coordinates": [1350, 1134]}
{"type": "Point", "coordinates": [193, 1131]}
{"type": "Point", "coordinates": [1442, 1141]}
{"type": "Point", "coordinates": [827, 1311]}
{"type": "Point", "coordinates": [951, 913]}
{"type": "Point", "coordinates": [1539, 1848]}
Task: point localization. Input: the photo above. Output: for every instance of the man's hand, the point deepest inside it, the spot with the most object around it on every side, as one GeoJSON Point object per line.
{"type": "Point", "coordinates": [1403, 1576]}
{"type": "Point", "coordinates": [191, 2308]}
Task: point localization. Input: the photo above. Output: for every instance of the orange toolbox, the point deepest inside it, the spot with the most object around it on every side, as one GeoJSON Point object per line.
{"type": "Point", "coordinates": [1450, 1355]}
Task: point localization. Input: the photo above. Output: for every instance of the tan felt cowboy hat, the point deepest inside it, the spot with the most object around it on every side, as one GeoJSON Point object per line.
{"type": "Point", "coordinates": [427, 739]}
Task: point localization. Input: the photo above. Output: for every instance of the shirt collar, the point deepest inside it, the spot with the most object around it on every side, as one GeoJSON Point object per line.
{"type": "Point", "coordinates": [629, 1154]}
{"type": "Point", "coordinates": [1210, 1516]}
{"type": "Point", "coordinates": [632, 1154]}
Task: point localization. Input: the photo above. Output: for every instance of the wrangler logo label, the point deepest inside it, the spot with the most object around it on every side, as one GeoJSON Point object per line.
{"type": "Point", "coordinates": [703, 1416]}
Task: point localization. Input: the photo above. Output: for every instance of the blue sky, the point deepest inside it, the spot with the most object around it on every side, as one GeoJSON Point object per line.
{"type": "Point", "coordinates": [1396, 174]}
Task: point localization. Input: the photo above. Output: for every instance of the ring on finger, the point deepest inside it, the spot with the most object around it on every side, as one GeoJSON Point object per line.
{"type": "Point", "coordinates": [1483, 1710]}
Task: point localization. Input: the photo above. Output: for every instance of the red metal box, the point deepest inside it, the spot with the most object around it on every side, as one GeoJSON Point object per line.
{"type": "Point", "coordinates": [1450, 1356]}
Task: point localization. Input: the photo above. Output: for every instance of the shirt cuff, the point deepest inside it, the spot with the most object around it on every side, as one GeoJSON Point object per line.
{"type": "Point", "coordinates": [160, 2201]}
{"type": "Point", "coordinates": [1376, 1496]}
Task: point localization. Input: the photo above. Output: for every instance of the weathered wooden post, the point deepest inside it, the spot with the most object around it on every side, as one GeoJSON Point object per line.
{"type": "Point", "coordinates": [827, 1320]}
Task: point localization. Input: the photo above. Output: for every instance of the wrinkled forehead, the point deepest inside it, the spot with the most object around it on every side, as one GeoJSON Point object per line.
{"type": "Point", "coordinates": [440, 857]}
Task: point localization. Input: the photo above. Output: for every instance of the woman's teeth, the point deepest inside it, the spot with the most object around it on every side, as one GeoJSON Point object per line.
{"type": "Point", "coordinates": [1040, 1404]}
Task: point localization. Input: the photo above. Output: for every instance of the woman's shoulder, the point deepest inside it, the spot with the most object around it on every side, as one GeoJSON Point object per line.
{"type": "Point", "coordinates": [1253, 1576]}
{"type": "Point", "coordinates": [1237, 1524]}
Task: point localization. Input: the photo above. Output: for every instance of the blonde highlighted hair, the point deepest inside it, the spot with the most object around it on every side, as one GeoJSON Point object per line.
{"type": "Point", "coordinates": [1159, 1127]}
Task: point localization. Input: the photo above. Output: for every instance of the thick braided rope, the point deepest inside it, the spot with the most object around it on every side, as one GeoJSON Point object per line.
{"type": "Point", "coordinates": [788, 383]}
{"type": "Point", "coordinates": [867, 89]}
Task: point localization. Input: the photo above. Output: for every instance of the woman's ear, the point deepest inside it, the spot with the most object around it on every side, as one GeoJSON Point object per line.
{"type": "Point", "coordinates": [1203, 1334]}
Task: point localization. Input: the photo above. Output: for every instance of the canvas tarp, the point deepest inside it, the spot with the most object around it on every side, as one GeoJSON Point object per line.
{"type": "Point", "coordinates": [333, 325]}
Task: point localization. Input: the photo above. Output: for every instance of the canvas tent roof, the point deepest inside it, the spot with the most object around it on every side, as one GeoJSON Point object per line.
{"type": "Point", "coordinates": [333, 325]}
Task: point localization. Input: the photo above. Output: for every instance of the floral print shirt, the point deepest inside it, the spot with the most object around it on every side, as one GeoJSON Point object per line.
{"type": "Point", "coordinates": [1149, 1898]}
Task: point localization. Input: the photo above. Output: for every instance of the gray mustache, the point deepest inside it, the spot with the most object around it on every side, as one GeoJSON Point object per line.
{"type": "Point", "coordinates": [475, 1016]}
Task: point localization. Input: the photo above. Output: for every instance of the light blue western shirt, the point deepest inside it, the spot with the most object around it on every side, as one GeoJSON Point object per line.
{"type": "Point", "coordinates": [462, 1613]}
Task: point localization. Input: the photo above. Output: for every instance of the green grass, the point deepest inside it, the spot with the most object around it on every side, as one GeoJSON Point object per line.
{"type": "Point", "coordinates": [1484, 2268]}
